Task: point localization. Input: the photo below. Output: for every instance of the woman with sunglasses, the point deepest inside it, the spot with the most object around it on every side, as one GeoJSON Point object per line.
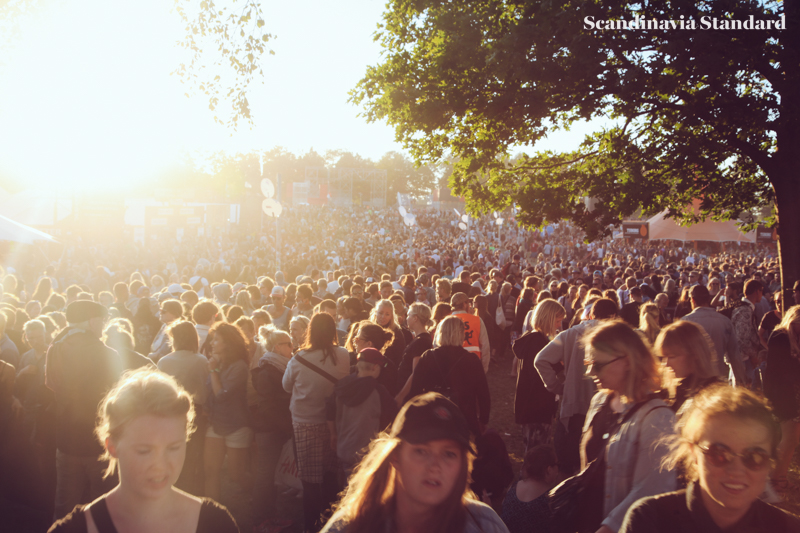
{"type": "Point", "coordinates": [727, 448]}
{"type": "Point", "coordinates": [624, 428]}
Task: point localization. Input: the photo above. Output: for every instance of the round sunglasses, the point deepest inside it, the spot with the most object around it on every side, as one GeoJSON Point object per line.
{"type": "Point", "coordinates": [719, 455]}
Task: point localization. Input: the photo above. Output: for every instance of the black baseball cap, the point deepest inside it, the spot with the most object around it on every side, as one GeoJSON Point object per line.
{"type": "Point", "coordinates": [431, 416]}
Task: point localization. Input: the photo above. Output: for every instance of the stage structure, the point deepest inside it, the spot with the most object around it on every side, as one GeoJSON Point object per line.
{"type": "Point", "coordinates": [342, 186]}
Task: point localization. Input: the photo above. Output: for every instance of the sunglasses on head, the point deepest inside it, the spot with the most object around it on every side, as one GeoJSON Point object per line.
{"type": "Point", "coordinates": [720, 455]}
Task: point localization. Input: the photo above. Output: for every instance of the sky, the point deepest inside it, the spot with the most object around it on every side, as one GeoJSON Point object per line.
{"type": "Point", "coordinates": [87, 101]}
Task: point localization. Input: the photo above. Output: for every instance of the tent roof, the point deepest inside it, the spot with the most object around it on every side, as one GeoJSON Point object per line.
{"type": "Point", "coordinates": [662, 228]}
{"type": "Point", "coordinates": [13, 231]}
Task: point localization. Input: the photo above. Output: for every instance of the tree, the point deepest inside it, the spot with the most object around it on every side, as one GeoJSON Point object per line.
{"type": "Point", "coordinates": [404, 177]}
{"type": "Point", "coordinates": [696, 113]}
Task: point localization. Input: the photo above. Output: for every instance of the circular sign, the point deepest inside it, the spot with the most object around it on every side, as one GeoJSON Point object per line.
{"type": "Point", "coordinates": [271, 208]}
{"type": "Point", "coordinates": [643, 230]}
{"type": "Point", "coordinates": [267, 188]}
{"type": "Point", "coordinates": [499, 221]}
{"type": "Point", "coordinates": [462, 225]}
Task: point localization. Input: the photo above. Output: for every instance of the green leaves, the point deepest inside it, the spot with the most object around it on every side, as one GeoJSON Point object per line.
{"type": "Point", "coordinates": [698, 112]}
{"type": "Point", "coordinates": [224, 43]}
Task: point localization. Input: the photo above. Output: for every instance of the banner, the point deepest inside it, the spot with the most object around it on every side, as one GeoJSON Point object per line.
{"type": "Point", "coordinates": [765, 235]}
{"type": "Point", "coordinates": [636, 230]}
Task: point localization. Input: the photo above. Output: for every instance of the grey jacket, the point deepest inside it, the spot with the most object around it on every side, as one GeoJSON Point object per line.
{"type": "Point", "coordinates": [577, 390]}
{"type": "Point", "coordinates": [720, 329]}
{"type": "Point", "coordinates": [309, 389]}
{"type": "Point", "coordinates": [480, 519]}
{"type": "Point", "coordinates": [633, 458]}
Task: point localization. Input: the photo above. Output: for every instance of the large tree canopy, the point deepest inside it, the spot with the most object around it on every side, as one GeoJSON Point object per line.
{"type": "Point", "coordinates": [703, 113]}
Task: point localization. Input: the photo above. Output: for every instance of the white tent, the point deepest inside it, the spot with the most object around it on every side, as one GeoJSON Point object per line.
{"type": "Point", "coordinates": [665, 228]}
{"type": "Point", "coordinates": [13, 231]}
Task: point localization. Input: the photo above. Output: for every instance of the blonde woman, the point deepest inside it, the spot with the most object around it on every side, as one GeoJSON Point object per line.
{"type": "Point", "coordinates": [418, 320]}
{"type": "Point", "coordinates": [244, 301]}
{"type": "Point", "coordinates": [727, 448]}
{"type": "Point", "coordinates": [383, 315]}
{"type": "Point", "coordinates": [648, 321]}
{"type": "Point", "coordinates": [534, 405]}
{"type": "Point", "coordinates": [688, 355]}
{"type": "Point", "coordinates": [143, 424]}
{"type": "Point", "coordinates": [624, 427]}
{"type": "Point", "coordinates": [782, 389]}
{"type": "Point", "coordinates": [454, 372]}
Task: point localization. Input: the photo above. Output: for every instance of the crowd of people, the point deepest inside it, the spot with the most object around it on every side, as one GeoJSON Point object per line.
{"type": "Point", "coordinates": [143, 387]}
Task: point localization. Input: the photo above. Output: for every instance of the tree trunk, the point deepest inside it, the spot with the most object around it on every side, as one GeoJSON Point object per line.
{"type": "Point", "coordinates": [787, 195]}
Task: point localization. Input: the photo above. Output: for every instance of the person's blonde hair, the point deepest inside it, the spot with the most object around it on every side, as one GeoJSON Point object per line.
{"type": "Point", "coordinates": [791, 316]}
{"type": "Point", "coordinates": [373, 315]}
{"type": "Point", "coordinates": [369, 497]}
{"type": "Point", "coordinates": [144, 391]}
{"type": "Point", "coordinates": [450, 332]}
{"type": "Point", "coordinates": [423, 312]}
{"type": "Point", "coordinates": [616, 338]}
{"type": "Point", "coordinates": [689, 338]}
{"type": "Point", "coordinates": [271, 336]}
{"type": "Point", "coordinates": [717, 400]}
{"type": "Point", "coordinates": [545, 315]}
{"type": "Point", "coordinates": [648, 321]}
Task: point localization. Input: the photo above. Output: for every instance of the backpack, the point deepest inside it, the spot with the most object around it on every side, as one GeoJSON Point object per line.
{"type": "Point", "coordinates": [445, 387]}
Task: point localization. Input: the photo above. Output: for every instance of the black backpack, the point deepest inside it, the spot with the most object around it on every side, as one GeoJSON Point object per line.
{"type": "Point", "coordinates": [445, 387]}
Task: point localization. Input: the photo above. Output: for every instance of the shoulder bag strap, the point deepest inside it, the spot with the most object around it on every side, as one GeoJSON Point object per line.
{"type": "Point", "coordinates": [316, 369]}
{"type": "Point", "coordinates": [101, 517]}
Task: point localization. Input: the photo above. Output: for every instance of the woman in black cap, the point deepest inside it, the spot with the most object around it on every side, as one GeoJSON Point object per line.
{"type": "Point", "coordinates": [416, 477]}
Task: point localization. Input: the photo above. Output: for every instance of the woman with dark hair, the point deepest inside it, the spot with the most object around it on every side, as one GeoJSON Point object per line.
{"type": "Point", "coordinates": [310, 377]}
{"type": "Point", "coordinates": [229, 430]}
{"type": "Point", "coordinates": [417, 477]}
{"type": "Point", "coordinates": [526, 509]}
{"type": "Point", "coordinates": [684, 305]}
{"type": "Point", "coordinates": [440, 311]}
{"type": "Point", "coordinates": [409, 283]}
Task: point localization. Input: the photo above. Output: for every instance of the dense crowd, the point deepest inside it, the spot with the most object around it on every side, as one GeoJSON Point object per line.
{"type": "Point", "coordinates": [142, 387]}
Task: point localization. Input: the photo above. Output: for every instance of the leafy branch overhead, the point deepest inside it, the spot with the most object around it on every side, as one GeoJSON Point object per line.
{"type": "Point", "coordinates": [226, 44]}
{"type": "Point", "coordinates": [687, 114]}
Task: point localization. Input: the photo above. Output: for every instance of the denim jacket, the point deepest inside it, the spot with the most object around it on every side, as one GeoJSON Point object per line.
{"type": "Point", "coordinates": [633, 457]}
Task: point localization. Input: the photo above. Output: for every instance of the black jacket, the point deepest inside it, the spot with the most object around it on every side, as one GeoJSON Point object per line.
{"type": "Point", "coordinates": [462, 371]}
{"type": "Point", "coordinates": [684, 511]}
{"type": "Point", "coordinates": [80, 370]}
{"type": "Point", "coordinates": [272, 409]}
{"type": "Point", "coordinates": [533, 403]}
